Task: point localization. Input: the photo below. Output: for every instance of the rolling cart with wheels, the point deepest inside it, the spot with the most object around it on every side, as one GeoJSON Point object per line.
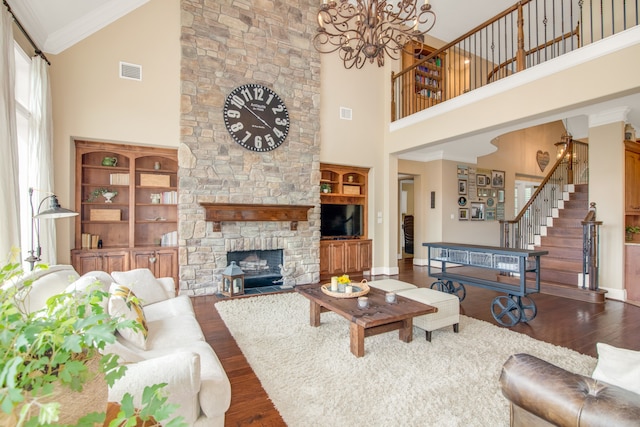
{"type": "Point", "coordinates": [507, 310]}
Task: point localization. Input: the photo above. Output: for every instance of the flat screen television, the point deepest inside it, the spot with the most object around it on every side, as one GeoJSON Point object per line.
{"type": "Point", "coordinates": [341, 220]}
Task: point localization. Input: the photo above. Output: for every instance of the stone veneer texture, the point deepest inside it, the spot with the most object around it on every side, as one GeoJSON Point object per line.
{"type": "Point", "coordinates": [227, 43]}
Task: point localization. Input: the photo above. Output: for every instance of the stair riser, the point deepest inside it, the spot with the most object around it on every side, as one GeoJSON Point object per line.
{"type": "Point", "coordinates": [565, 242]}
{"type": "Point", "coordinates": [558, 276]}
{"type": "Point", "coordinates": [562, 253]}
{"type": "Point", "coordinates": [563, 264]}
{"type": "Point", "coordinates": [571, 232]}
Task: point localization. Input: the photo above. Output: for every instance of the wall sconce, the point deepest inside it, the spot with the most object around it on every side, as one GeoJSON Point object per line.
{"type": "Point", "coordinates": [55, 211]}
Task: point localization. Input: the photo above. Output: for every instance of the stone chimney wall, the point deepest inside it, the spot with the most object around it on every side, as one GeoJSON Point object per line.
{"type": "Point", "coordinates": [227, 43]}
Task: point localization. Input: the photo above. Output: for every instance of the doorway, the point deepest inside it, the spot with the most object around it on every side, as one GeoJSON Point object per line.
{"type": "Point", "coordinates": [406, 215]}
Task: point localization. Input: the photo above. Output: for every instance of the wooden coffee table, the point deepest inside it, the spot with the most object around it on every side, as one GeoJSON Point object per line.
{"type": "Point", "coordinates": [378, 318]}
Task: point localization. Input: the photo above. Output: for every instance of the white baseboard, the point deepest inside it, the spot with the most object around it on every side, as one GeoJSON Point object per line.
{"type": "Point", "coordinates": [385, 271]}
{"type": "Point", "coordinates": [420, 261]}
{"type": "Point", "coordinates": [615, 294]}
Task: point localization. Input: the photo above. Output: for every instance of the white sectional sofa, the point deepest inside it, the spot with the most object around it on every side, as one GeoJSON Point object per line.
{"type": "Point", "coordinates": [174, 351]}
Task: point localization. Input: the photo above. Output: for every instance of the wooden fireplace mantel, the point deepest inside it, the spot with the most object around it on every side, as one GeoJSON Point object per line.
{"type": "Point", "coordinates": [219, 212]}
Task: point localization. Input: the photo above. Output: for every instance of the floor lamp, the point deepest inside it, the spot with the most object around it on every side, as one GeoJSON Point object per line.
{"type": "Point", "coordinates": [55, 211]}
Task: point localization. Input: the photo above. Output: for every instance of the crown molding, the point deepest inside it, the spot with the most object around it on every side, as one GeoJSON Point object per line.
{"type": "Point", "coordinates": [88, 24]}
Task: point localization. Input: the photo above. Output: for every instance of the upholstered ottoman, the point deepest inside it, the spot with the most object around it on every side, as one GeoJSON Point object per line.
{"type": "Point", "coordinates": [448, 309]}
{"type": "Point", "coordinates": [391, 285]}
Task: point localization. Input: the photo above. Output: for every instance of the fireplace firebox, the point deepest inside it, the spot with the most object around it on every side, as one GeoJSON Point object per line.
{"type": "Point", "coordinates": [261, 267]}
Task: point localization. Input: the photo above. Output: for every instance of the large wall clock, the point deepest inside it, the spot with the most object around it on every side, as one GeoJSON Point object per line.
{"type": "Point", "coordinates": [256, 117]}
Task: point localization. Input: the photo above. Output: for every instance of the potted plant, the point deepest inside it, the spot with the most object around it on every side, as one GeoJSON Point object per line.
{"type": "Point", "coordinates": [630, 230]}
{"type": "Point", "coordinates": [53, 353]}
{"type": "Point", "coordinates": [105, 192]}
{"type": "Point", "coordinates": [325, 187]}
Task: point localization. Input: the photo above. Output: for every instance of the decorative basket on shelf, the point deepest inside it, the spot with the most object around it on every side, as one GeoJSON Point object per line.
{"type": "Point", "coordinates": [362, 286]}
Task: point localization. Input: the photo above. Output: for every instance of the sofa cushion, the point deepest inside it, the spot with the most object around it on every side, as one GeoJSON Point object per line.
{"type": "Point", "coordinates": [171, 307]}
{"type": "Point", "coordinates": [124, 303]}
{"type": "Point", "coordinates": [618, 366]}
{"type": "Point", "coordinates": [143, 283]}
{"type": "Point", "coordinates": [173, 332]}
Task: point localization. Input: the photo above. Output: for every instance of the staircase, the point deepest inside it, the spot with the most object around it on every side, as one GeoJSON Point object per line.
{"type": "Point", "coordinates": [561, 269]}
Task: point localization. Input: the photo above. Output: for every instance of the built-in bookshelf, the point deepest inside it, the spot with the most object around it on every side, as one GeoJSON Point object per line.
{"type": "Point", "coordinates": [127, 199]}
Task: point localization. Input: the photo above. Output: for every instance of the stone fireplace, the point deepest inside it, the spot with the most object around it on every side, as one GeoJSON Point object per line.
{"type": "Point", "coordinates": [226, 44]}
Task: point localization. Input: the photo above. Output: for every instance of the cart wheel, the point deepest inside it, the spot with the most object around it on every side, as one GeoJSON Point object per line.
{"type": "Point", "coordinates": [460, 291]}
{"type": "Point", "coordinates": [506, 311]}
{"type": "Point", "coordinates": [527, 307]}
{"type": "Point", "coordinates": [449, 288]}
{"type": "Point", "coordinates": [440, 286]}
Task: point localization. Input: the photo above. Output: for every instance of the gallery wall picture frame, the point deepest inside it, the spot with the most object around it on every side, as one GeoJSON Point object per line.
{"type": "Point", "coordinates": [463, 172]}
{"type": "Point", "coordinates": [477, 211]}
{"type": "Point", "coordinates": [490, 215]}
{"type": "Point", "coordinates": [497, 179]}
{"type": "Point", "coordinates": [462, 186]}
{"type": "Point", "coordinates": [463, 214]}
{"type": "Point", "coordinates": [481, 180]}
{"type": "Point", "coordinates": [500, 196]}
{"type": "Point", "coordinates": [462, 201]}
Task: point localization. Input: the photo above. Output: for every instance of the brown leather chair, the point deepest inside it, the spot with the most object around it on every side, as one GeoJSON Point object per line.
{"type": "Point", "coordinates": [542, 394]}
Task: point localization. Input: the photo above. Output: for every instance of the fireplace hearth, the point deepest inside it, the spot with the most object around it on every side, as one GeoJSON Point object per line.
{"type": "Point", "coordinates": [261, 267]}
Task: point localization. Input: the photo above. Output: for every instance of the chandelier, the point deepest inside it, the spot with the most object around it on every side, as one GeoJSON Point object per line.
{"type": "Point", "coordinates": [370, 29]}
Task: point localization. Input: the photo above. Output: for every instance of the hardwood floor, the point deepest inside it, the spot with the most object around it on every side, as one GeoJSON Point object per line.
{"type": "Point", "coordinates": [574, 324]}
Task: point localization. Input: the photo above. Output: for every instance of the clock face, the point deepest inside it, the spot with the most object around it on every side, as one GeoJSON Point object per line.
{"type": "Point", "coordinates": [256, 117]}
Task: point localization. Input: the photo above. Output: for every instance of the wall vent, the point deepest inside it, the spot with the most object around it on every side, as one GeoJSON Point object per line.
{"type": "Point", "coordinates": [345, 113]}
{"type": "Point", "coordinates": [130, 71]}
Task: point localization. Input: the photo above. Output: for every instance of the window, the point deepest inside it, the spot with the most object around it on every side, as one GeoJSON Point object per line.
{"type": "Point", "coordinates": [23, 64]}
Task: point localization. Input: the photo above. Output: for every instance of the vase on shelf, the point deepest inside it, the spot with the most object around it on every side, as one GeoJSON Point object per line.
{"type": "Point", "coordinates": [108, 196]}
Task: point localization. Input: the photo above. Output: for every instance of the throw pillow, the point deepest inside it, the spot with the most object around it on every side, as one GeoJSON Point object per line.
{"type": "Point", "coordinates": [124, 303]}
{"type": "Point", "coordinates": [143, 283]}
{"type": "Point", "coordinates": [618, 366]}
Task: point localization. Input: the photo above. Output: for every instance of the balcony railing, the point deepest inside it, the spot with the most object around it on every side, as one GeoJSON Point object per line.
{"type": "Point", "coordinates": [528, 33]}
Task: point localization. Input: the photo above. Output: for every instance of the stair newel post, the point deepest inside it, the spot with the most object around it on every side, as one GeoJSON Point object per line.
{"type": "Point", "coordinates": [590, 247]}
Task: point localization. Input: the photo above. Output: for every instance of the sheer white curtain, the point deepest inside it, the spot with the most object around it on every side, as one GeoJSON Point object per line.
{"type": "Point", "coordinates": [9, 191]}
{"type": "Point", "coordinates": [40, 161]}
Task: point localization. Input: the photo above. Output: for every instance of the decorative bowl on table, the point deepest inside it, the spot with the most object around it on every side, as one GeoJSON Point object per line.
{"type": "Point", "coordinates": [358, 290]}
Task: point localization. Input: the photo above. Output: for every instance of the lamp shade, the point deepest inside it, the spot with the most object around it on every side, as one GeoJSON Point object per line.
{"type": "Point", "coordinates": [55, 210]}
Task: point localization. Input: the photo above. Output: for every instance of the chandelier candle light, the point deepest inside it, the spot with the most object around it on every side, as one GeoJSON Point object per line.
{"type": "Point", "coordinates": [370, 29]}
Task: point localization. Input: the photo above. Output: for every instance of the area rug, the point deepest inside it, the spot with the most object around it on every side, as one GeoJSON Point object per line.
{"type": "Point", "coordinates": [314, 380]}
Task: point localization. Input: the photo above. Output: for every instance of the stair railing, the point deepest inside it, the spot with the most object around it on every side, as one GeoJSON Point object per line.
{"type": "Point", "coordinates": [571, 167]}
{"type": "Point", "coordinates": [591, 250]}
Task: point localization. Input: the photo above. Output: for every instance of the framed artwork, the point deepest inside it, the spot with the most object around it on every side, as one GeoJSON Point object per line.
{"type": "Point", "coordinates": [497, 179]}
{"type": "Point", "coordinates": [462, 201]}
{"type": "Point", "coordinates": [463, 172]}
{"type": "Point", "coordinates": [481, 180]}
{"type": "Point", "coordinates": [483, 192]}
{"type": "Point", "coordinates": [490, 215]}
{"type": "Point", "coordinates": [477, 211]}
{"type": "Point", "coordinates": [490, 202]}
{"type": "Point", "coordinates": [462, 186]}
{"type": "Point", "coordinates": [500, 196]}
{"type": "Point", "coordinates": [463, 214]}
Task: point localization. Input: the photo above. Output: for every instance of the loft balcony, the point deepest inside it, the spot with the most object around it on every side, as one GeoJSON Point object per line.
{"type": "Point", "coordinates": [527, 34]}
